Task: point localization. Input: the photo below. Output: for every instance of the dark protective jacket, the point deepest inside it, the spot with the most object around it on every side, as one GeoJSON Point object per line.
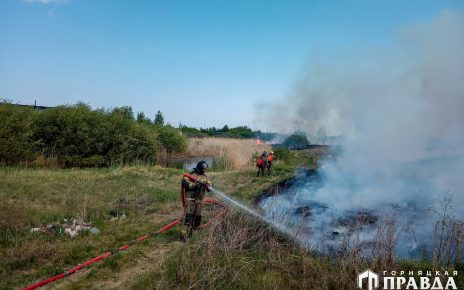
{"type": "Point", "coordinates": [195, 191]}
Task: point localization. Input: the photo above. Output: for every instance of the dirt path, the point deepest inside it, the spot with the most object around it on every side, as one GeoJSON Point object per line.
{"type": "Point", "coordinates": [152, 260]}
{"type": "Point", "coordinates": [148, 256]}
{"type": "Point", "coordinates": [95, 277]}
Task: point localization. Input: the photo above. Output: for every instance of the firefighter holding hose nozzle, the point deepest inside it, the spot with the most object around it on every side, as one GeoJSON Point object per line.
{"type": "Point", "coordinates": [195, 192]}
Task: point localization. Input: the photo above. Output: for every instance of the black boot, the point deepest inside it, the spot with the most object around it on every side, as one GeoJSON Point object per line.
{"type": "Point", "coordinates": [186, 229]}
{"type": "Point", "coordinates": [197, 221]}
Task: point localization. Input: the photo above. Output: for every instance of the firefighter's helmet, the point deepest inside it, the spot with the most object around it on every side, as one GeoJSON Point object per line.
{"type": "Point", "coordinates": [201, 167]}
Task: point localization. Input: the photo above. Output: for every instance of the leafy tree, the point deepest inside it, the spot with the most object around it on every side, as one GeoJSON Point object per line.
{"type": "Point", "coordinates": [191, 132]}
{"type": "Point", "coordinates": [282, 153]}
{"type": "Point", "coordinates": [142, 119]}
{"type": "Point", "coordinates": [77, 136]}
{"type": "Point", "coordinates": [125, 111]}
{"type": "Point", "coordinates": [159, 119]}
{"type": "Point", "coordinates": [17, 126]}
{"type": "Point", "coordinates": [171, 139]}
{"type": "Point", "coordinates": [243, 132]}
{"type": "Point", "coordinates": [297, 140]}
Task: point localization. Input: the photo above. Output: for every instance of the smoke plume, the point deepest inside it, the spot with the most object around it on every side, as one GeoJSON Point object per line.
{"type": "Point", "coordinates": [400, 113]}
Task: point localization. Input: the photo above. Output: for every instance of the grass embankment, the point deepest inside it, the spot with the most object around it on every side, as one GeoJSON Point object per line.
{"type": "Point", "coordinates": [148, 196]}
{"type": "Point", "coordinates": [235, 252]}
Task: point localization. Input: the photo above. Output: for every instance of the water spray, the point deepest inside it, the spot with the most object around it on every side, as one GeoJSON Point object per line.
{"type": "Point", "coordinates": [288, 232]}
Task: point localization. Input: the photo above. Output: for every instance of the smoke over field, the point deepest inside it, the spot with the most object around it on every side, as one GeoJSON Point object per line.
{"type": "Point", "coordinates": [400, 115]}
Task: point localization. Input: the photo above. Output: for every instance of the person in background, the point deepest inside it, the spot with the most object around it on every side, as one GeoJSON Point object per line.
{"type": "Point", "coordinates": [261, 163]}
{"type": "Point", "coordinates": [270, 159]}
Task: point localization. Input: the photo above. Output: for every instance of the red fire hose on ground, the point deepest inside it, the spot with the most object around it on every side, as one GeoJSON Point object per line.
{"type": "Point", "coordinates": [126, 246]}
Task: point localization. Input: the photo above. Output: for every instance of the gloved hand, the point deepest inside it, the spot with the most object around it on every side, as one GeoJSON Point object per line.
{"type": "Point", "coordinates": [207, 183]}
{"type": "Point", "coordinates": [198, 185]}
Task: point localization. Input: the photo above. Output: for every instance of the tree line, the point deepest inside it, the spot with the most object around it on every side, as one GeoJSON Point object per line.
{"type": "Point", "coordinates": [235, 132]}
{"type": "Point", "coordinates": [78, 136]}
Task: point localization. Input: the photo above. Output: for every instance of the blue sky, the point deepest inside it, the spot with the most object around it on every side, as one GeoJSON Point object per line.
{"type": "Point", "coordinates": [202, 63]}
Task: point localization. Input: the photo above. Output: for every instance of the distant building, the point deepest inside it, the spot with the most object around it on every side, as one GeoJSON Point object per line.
{"type": "Point", "coordinates": [38, 108]}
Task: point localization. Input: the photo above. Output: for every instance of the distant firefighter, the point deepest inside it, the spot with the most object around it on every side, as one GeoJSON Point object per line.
{"type": "Point", "coordinates": [261, 163]}
{"type": "Point", "coordinates": [194, 195]}
{"type": "Point", "coordinates": [270, 159]}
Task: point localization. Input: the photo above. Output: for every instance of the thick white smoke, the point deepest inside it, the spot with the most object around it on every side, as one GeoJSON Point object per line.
{"type": "Point", "coordinates": [401, 117]}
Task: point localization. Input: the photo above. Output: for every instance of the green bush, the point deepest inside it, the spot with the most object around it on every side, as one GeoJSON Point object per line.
{"type": "Point", "coordinates": [297, 140]}
{"type": "Point", "coordinates": [77, 136]}
{"type": "Point", "coordinates": [131, 142]}
{"type": "Point", "coordinates": [72, 133]}
{"type": "Point", "coordinates": [171, 139]}
{"type": "Point", "coordinates": [17, 126]}
{"type": "Point", "coordinates": [284, 154]}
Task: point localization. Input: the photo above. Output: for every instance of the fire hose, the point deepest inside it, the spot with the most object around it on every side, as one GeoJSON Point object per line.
{"type": "Point", "coordinates": [139, 239]}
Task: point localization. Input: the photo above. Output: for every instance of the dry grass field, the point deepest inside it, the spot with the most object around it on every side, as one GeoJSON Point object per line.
{"type": "Point", "coordinates": [230, 154]}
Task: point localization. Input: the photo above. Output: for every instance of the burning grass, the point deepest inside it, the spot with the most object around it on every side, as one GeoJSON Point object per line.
{"type": "Point", "coordinates": [229, 153]}
{"type": "Point", "coordinates": [240, 253]}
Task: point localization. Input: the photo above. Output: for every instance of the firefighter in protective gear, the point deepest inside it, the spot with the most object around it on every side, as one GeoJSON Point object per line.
{"type": "Point", "coordinates": [194, 195]}
{"type": "Point", "coordinates": [270, 159]}
{"type": "Point", "coordinates": [261, 163]}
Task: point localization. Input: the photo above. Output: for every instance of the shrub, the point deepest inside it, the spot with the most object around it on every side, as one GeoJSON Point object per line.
{"type": "Point", "coordinates": [16, 134]}
{"type": "Point", "coordinates": [77, 136]}
{"type": "Point", "coordinates": [284, 154]}
{"type": "Point", "coordinates": [171, 139]}
{"type": "Point", "coordinates": [159, 119]}
{"type": "Point", "coordinates": [125, 111]}
{"type": "Point", "coordinates": [73, 134]}
{"type": "Point", "coordinates": [131, 142]}
{"type": "Point", "coordinates": [297, 140]}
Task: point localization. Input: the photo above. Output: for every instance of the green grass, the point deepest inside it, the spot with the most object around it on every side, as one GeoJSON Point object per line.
{"type": "Point", "coordinates": [148, 195]}
{"type": "Point", "coordinates": [233, 253]}
{"type": "Point", "coordinates": [36, 197]}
